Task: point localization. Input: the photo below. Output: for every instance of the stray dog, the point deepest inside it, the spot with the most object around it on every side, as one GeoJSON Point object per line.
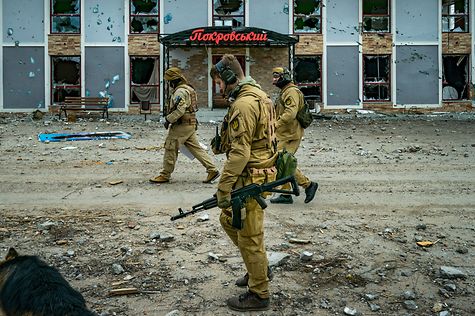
{"type": "Point", "coordinates": [29, 287]}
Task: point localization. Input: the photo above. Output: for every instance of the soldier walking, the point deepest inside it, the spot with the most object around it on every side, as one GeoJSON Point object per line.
{"type": "Point", "coordinates": [249, 143]}
{"type": "Point", "coordinates": [181, 124]}
{"type": "Point", "coordinates": [288, 130]}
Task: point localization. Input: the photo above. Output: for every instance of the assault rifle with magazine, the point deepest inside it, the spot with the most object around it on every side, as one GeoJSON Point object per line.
{"type": "Point", "coordinates": [240, 196]}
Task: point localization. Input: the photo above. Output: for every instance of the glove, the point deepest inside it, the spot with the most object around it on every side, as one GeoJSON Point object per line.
{"type": "Point", "coordinates": [224, 199]}
{"type": "Point", "coordinates": [166, 124]}
{"type": "Point", "coordinates": [216, 144]}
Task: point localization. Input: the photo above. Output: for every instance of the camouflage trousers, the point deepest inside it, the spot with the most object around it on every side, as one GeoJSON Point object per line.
{"type": "Point", "coordinates": [250, 239]}
{"type": "Point", "coordinates": [183, 135]}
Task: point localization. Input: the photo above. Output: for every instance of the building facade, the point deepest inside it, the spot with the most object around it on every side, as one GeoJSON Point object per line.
{"type": "Point", "coordinates": [347, 54]}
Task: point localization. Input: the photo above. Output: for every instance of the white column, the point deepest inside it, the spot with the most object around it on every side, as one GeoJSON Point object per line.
{"type": "Point", "coordinates": [324, 55]}
{"type": "Point", "coordinates": [472, 18]}
{"type": "Point", "coordinates": [360, 54]}
{"type": "Point", "coordinates": [393, 57]}
{"type": "Point", "coordinates": [47, 62]}
{"type": "Point", "coordinates": [1, 58]}
{"type": "Point", "coordinates": [82, 49]}
{"type": "Point", "coordinates": [126, 56]}
{"type": "Point", "coordinates": [440, 52]}
{"type": "Point", "coordinates": [162, 58]}
{"type": "Point", "coordinates": [209, 50]}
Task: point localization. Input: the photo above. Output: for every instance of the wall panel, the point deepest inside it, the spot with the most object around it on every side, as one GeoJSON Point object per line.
{"type": "Point", "coordinates": [104, 73]}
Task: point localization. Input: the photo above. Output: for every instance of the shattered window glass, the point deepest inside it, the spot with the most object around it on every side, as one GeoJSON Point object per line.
{"type": "Point", "coordinates": [455, 16]}
{"type": "Point", "coordinates": [144, 16]}
{"type": "Point", "coordinates": [455, 78]}
{"type": "Point", "coordinates": [66, 78]}
{"type": "Point", "coordinates": [376, 76]}
{"type": "Point", "coordinates": [65, 16]}
{"type": "Point", "coordinates": [144, 80]}
{"type": "Point", "coordinates": [376, 16]}
{"type": "Point", "coordinates": [228, 13]}
{"type": "Point", "coordinates": [307, 75]}
{"type": "Point", "coordinates": [307, 16]}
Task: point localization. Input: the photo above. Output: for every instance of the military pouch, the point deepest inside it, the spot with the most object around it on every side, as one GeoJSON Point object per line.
{"type": "Point", "coordinates": [304, 116]}
{"type": "Point", "coordinates": [286, 164]}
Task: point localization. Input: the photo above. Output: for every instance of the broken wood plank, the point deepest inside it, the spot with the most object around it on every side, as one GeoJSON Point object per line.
{"type": "Point", "coordinates": [124, 291]}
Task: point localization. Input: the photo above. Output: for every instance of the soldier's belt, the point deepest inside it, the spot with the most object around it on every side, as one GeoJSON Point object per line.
{"type": "Point", "coordinates": [187, 119]}
{"type": "Point", "coordinates": [256, 171]}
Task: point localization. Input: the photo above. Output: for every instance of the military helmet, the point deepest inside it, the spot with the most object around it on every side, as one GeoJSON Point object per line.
{"type": "Point", "coordinates": [283, 74]}
{"type": "Point", "coordinates": [173, 73]}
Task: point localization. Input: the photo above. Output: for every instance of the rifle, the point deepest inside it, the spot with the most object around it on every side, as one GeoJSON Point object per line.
{"type": "Point", "coordinates": [240, 196]}
{"type": "Point", "coordinates": [217, 140]}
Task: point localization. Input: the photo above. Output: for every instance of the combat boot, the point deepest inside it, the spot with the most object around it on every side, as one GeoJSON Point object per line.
{"type": "Point", "coordinates": [159, 179]}
{"type": "Point", "coordinates": [248, 301]}
{"type": "Point", "coordinates": [282, 199]}
{"type": "Point", "coordinates": [213, 175]}
{"type": "Point", "coordinates": [244, 280]}
{"type": "Point", "coordinates": [310, 191]}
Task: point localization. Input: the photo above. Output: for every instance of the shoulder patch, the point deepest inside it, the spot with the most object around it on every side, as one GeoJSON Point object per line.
{"type": "Point", "coordinates": [288, 101]}
{"type": "Point", "coordinates": [235, 124]}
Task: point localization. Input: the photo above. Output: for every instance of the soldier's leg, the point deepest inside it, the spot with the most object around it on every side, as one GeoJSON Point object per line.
{"type": "Point", "coordinates": [170, 156]}
{"type": "Point", "coordinates": [251, 244]}
{"type": "Point", "coordinates": [194, 147]}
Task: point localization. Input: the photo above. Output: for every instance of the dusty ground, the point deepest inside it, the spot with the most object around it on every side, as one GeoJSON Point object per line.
{"type": "Point", "coordinates": [385, 183]}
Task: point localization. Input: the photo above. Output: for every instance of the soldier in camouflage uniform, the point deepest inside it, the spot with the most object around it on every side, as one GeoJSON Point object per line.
{"type": "Point", "coordinates": [288, 130]}
{"type": "Point", "coordinates": [249, 144]}
{"type": "Point", "coordinates": [181, 124]}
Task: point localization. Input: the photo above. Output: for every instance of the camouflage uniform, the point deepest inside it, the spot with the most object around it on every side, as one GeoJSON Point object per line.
{"type": "Point", "coordinates": [248, 141]}
{"type": "Point", "coordinates": [288, 130]}
{"type": "Point", "coordinates": [182, 132]}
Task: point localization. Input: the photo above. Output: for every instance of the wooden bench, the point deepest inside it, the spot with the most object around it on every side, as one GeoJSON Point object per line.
{"type": "Point", "coordinates": [85, 104]}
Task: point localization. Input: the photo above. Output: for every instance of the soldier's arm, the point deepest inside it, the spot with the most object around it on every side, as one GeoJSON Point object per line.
{"type": "Point", "coordinates": [290, 101]}
{"type": "Point", "coordinates": [240, 131]}
{"type": "Point", "coordinates": [180, 107]}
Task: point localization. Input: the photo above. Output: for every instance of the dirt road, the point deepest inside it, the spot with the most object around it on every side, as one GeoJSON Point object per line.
{"type": "Point", "coordinates": [386, 182]}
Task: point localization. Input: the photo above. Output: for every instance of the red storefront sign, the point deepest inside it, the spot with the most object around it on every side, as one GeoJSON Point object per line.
{"type": "Point", "coordinates": [199, 35]}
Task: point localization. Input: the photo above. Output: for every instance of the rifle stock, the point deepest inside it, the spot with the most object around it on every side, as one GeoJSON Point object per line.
{"type": "Point", "coordinates": [239, 198]}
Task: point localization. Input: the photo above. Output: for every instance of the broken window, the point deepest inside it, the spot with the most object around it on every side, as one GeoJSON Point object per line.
{"type": "Point", "coordinates": [307, 16]}
{"type": "Point", "coordinates": [144, 81]}
{"type": "Point", "coordinates": [308, 77]}
{"type": "Point", "coordinates": [376, 76]}
{"type": "Point", "coordinates": [455, 81]}
{"type": "Point", "coordinates": [144, 16]}
{"type": "Point", "coordinates": [376, 16]}
{"type": "Point", "coordinates": [228, 13]}
{"type": "Point", "coordinates": [65, 78]}
{"type": "Point", "coordinates": [65, 16]}
{"type": "Point", "coordinates": [455, 16]}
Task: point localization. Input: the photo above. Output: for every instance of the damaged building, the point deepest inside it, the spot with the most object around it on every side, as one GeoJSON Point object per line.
{"type": "Point", "coordinates": [388, 55]}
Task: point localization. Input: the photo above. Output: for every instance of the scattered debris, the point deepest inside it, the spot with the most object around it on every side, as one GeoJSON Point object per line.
{"type": "Point", "coordinates": [124, 291]}
{"type": "Point", "coordinates": [115, 182]}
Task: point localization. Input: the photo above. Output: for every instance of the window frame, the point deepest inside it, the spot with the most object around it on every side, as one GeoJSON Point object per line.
{"type": "Point", "coordinates": [455, 15]}
{"type": "Point", "coordinates": [378, 84]}
{"type": "Point", "coordinates": [467, 79]}
{"type": "Point", "coordinates": [243, 15]}
{"type": "Point", "coordinates": [319, 16]}
{"type": "Point", "coordinates": [388, 15]}
{"type": "Point", "coordinates": [52, 15]}
{"type": "Point", "coordinates": [131, 85]}
{"type": "Point", "coordinates": [317, 84]}
{"type": "Point", "coordinates": [132, 15]}
{"type": "Point", "coordinates": [54, 87]}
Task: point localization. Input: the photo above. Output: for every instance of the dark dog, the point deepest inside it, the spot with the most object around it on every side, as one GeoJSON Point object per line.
{"type": "Point", "coordinates": [29, 287]}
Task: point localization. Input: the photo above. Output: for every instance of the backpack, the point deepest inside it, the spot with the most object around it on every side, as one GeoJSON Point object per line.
{"type": "Point", "coordinates": [286, 164]}
{"type": "Point", "coordinates": [304, 116]}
